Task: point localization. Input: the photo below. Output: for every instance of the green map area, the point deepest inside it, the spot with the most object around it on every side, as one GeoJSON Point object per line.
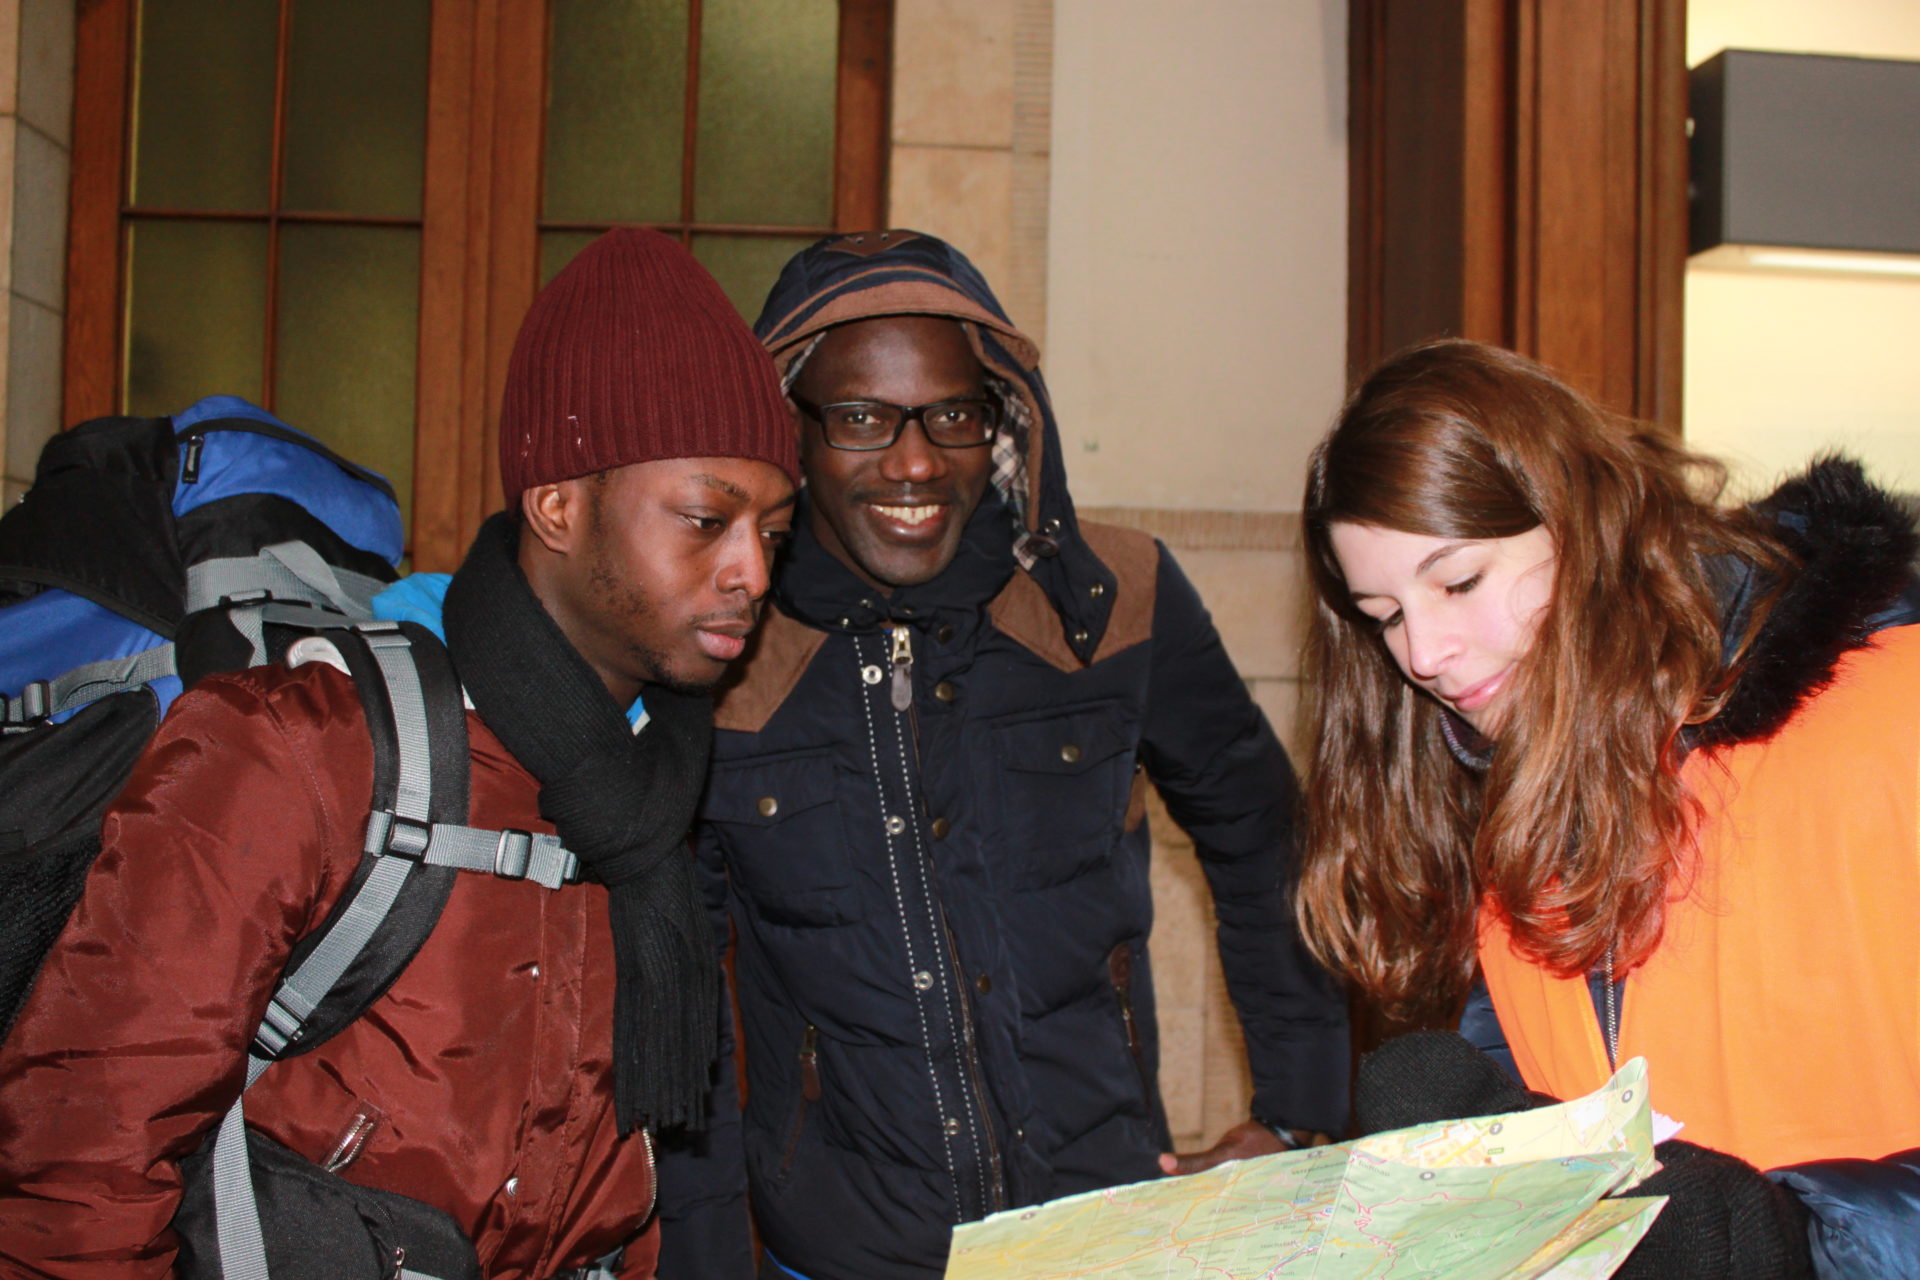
{"type": "Point", "coordinates": [1526, 1195]}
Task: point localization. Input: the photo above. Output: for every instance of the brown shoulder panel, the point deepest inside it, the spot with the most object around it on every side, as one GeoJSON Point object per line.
{"type": "Point", "coordinates": [1022, 611]}
{"type": "Point", "coordinates": [779, 651]}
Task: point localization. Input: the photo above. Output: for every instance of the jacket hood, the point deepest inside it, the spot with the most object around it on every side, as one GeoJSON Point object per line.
{"type": "Point", "coordinates": [885, 273]}
{"type": "Point", "coordinates": [1855, 546]}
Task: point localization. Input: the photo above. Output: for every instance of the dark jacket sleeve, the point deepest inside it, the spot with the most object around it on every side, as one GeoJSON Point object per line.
{"type": "Point", "coordinates": [1226, 781]}
{"type": "Point", "coordinates": [1863, 1215]}
{"type": "Point", "coordinates": [704, 1230]}
{"type": "Point", "coordinates": [133, 1042]}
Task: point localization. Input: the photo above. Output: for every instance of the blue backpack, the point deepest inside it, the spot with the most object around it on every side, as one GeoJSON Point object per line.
{"type": "Point", "coordinates": [130, 561]}
{"type": "Point", "coordinates": [148, 553]}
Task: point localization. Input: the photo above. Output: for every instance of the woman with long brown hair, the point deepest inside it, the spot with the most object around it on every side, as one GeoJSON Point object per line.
{"type": "Point", "coordinates": [1620, 770]}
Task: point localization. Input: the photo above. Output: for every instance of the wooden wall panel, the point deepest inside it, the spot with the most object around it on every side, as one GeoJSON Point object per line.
{"type": "Point", "coordinates": [1519, 177]}
{"type": "Point", "coordinates": [103, 33]}
{"type": "Point", "coordinates": [479, 257]}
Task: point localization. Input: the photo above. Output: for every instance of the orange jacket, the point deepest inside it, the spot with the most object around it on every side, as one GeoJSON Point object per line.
{"type": "Point", "coordinates": [479, 1083]}
{"type": "Point", "coordinates": [1780, 1016]}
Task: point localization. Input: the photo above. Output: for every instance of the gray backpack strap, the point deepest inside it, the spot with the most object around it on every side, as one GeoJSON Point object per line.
{"type": "Point", "coordinates": [401, 838]}
{"type": "Point", "coordinates": [510, 854]}
{"type": "Point", "coordinates": [284, 571]}
{"type": "Point", "coordinates": [86, 683]}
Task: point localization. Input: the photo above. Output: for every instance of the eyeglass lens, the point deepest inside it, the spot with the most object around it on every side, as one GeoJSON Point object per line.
{"type": "Point", "coordinates": [874, 424]}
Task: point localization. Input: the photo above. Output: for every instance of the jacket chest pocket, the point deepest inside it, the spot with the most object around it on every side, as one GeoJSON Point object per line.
{"type": "Point", "coordinates": [785, 839]}
{"type": "Point", "coordinates": [1063, 778]}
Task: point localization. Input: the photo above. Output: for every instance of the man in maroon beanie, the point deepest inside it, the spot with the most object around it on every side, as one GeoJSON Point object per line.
{"type": "Point", "coordinates": [506, 1088]}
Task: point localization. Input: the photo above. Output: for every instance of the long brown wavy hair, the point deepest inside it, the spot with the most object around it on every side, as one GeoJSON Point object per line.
{"type": "Point", "coordinates": [1580, 830]}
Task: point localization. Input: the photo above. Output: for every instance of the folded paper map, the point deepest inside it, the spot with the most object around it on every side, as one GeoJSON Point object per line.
{"type": "Point", "coordinates": [1533, 1194]}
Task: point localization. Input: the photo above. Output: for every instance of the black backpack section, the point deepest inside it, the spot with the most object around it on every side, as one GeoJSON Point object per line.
{"type": "Point", "coordinates": [160, 600]}
{"type": "Point", "coordinates": [251, 1207]}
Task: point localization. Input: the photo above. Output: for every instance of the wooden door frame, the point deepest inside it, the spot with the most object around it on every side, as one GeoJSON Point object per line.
{"type": "Point", "coordinates": [1518, 175]}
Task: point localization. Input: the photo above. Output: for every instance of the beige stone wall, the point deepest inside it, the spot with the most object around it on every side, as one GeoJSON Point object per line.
{"type": "Point", "coordinates": [36, 108]}
{"type": "Point", "coordinates": [972, 122]}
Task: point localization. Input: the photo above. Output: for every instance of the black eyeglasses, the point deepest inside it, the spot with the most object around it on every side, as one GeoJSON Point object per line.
{"type": "Point", "coordinates": [866, 425]}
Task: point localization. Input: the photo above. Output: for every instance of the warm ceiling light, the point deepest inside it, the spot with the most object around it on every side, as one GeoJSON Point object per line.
{"type": "Point", "coordinates": [1741, 257]}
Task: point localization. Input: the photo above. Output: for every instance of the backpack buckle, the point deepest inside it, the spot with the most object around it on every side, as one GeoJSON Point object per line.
{"type": "Point", "coordinates": [512, 854]}
{"type": "Point", "coordinates": [27, 711]}
{"type": "Point", "coordinates": [389, 833]}
{"type": "Point", "coordinates": [279, 1028]}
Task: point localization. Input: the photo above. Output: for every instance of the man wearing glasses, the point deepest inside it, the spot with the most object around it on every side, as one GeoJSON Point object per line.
{"type": "Point", "coordinates": [926, 817]}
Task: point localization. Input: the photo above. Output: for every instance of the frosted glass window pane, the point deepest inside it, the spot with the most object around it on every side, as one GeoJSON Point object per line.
{"type": "Point", "coordinates": [356, 106]}
{"type": "Point", "coordinates": [768, 73]}
{"type": "Point", "coordinates": [747, 266]}
{"type": "Point", "coordinates": [616, 110]}
{"type": "Point", "coordinates": [557, 249]}
{"type": "Point", "coordinates": [203, 104]}
{"type": "Point", "coordinates": [196, 313]}
{"type": "Point", "coordinates": [348, 343]}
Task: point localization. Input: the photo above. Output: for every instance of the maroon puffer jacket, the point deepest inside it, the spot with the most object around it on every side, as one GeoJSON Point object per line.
{"type": "Point", "coordinates": [478, 1083]}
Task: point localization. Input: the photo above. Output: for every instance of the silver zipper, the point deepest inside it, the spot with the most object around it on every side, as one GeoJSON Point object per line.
{"type": "Point", "coordinates": [902, 667]}
{"type": "Point", "coordinates": [1613, 1017]}
{"type": "Point", "coordinates": [653, 1176]}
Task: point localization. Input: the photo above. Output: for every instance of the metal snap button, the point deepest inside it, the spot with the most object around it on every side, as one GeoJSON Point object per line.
{"type": "Point", "coordinates": [895, 825]}
{"type": "Point", "coordinates": [945, 691]}
{"type": "Point", "coordinates": [768, 806]}
{"type": "Point", "coordinates": [940, 828]}
{"type": "Point", "coordinates": [1071, 753]}
{"type": "Point", "coordinates": [984, 983]}
{"type": "Point", "coordinates": [1097, 590]}
{"type": "Point", "coordinates": [922, 980]}
{"type": "Point", "coordinates": [872, 674]}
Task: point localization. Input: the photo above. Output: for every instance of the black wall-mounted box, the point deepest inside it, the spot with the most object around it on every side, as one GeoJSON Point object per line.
{"type": "Point", "coordinates": [1807, 150]}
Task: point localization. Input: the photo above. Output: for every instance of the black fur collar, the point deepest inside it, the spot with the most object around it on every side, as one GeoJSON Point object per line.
{"type": "Point", "coordinates": [1856, 546]}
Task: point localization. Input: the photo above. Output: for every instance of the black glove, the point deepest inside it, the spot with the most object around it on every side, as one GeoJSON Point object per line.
{"type": "Point", "coordinates": [1430, 1076]}
{"type": "Point", "coordinates": [1723, 1218]}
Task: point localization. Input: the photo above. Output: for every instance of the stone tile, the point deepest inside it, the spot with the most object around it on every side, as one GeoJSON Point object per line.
{"type": "Point", "coordinates": [1182, 938]}
{"type": "Point", "coordinates": [1229, 1084]}
{"type": "Point", "coordinates": [46, 67]}
{"type": "Point", "coordinates": [6, 333]}
{"type": "Point", "coordinates": [962, 195]}
{"type": "Point", "coordinates": [39, 255]}
{"type": "Point", "coordinates": [1258, 603]}
{"type": "Point", "coordinates": [32, 383]}
{"type": "Point", "coordinates": [9, 139]}
{"type": "Point", "coordinates": [953, 71]}
{"type": "Point", "coordinates": [1183, 1074]}
{"type": "Point", "coordinates": [9, 56]}
{"type": "Point", "coordinates": [1280, 699]}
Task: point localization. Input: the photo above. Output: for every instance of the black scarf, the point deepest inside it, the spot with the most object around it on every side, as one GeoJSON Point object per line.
{"type": "Point", "coordinates": [622, 802]}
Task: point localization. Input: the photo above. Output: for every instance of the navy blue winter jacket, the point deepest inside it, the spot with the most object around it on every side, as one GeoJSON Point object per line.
{"type": "Point", "coordinates": [926, 821]}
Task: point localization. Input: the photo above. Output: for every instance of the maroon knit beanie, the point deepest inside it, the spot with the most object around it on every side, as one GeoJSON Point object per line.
{"type": "Point", "coordinates": [631, 354]}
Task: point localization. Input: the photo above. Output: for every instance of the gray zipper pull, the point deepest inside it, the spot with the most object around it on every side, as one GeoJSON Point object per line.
{"type": "Point", "coordinates": [902, 667]}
